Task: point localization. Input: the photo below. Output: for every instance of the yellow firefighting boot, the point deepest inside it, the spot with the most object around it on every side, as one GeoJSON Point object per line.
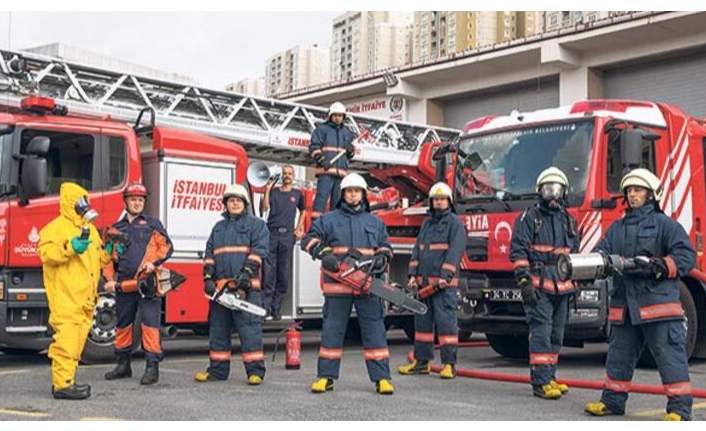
{"type": "Point", "coordinates": [449, 372]}
{"type": "Point", "coordinates": [384, 387]}
{"type": "Point", "coordinates": [548, 392]}
{"type": "Point", "coordinates": [598, 409]}
{"type": "Point", "coordinates": [322, 385]}
{"type": "Point", "coordinates": [564, 389]}
{"type": "Point", "coordinates": [201, 376]}
{"type": "Point", "coordinates": [254, 380]}
{"type": "Point", "coordinates": [672, 417]}
{"type": "Point", "coordinates": [416, 367]}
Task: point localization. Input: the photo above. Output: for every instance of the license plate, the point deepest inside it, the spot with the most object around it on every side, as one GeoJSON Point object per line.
{"type": "Point", "coordinates": [505, 295]}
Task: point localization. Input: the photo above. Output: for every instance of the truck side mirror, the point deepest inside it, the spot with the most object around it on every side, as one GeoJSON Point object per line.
{"type": "Point", "coordinates": [631, 147]}
{"type": "Point", "coordinates": [38, 146]}
{"type": "Point", "coordinates": [34, 177]}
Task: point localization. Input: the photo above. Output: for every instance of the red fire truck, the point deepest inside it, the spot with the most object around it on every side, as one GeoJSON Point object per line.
{"type": "Point", "coordinates": [107, 129]}
{"type": "Point", "coordinates": [493, 167]}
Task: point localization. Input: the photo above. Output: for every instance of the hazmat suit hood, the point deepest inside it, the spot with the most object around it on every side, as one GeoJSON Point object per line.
{"type": "Point", "coordinates": [69, 194]}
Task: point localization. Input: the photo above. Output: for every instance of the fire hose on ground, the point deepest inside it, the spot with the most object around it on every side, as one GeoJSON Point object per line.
{"type": "Point", "coordinates": [516, 378]}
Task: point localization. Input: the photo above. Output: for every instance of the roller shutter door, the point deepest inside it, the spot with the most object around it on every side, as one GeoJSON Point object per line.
{"type": "Point", "coordinates": [679, 81]}
{"type": "Point", "coordinates": [523, 97]}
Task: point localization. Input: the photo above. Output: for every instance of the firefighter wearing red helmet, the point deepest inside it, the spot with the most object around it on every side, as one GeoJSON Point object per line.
{"type": "Point", "coordinates": [235, 251]}
{"type": "Point", "coordinates": [433, 271]}
{"type": "Point", "coordinates": [147, 246]}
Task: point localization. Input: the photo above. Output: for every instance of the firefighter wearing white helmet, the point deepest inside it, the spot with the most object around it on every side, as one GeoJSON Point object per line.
{"type": "Point", "coordinates": [433, 271]}
{"type": "Point", "coordinates": [645, 179]}
{"type": "Point", "coordinates": [331, 148]}
{"type": "Point", "coordinates": [552, 185]}
{"type": "Point", "coordinates": [645, 304]}
{"type": "Point", "coordinates": [330, 238]}
{"type": "Point", "coordinates": [235, 250]}
{"type": "Point", "coordinates": [541, 233]}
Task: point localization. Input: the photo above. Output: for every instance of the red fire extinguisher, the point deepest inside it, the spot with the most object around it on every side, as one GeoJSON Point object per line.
{"type": "Point", "coordinates": [293, 348]}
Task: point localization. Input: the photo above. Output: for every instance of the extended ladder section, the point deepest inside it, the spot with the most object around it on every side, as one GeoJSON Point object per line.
{"type": "Point", "coordinates": [269, 129]}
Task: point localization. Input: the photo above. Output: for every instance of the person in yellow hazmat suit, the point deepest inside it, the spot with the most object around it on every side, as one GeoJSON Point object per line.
{"type": "Point", "coordinates": [72, 255]}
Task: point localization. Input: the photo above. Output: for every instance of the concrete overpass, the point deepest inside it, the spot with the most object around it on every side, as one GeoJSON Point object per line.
{"type": "Point", "coordinates": [649, 56]}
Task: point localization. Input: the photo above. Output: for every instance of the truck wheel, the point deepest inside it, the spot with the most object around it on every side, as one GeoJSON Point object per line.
{"type": "Point", "coordinates": [101, 337]}
{"type": "Point", "coordinates": [691, 322]}
{"type": "Point", "coordinates": [509, 346]}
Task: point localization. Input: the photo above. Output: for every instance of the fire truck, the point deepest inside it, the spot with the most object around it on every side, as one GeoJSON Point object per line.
{"type": "Point", "coordinates": [493, 168]}
{"type": "Point", "coordinates": [107, 129]}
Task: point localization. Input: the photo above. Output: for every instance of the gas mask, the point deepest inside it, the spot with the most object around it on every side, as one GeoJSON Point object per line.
{"type": "Point", "coordinates": [551, 193]}
{"type": "Point", "coordinates": [83, 208]}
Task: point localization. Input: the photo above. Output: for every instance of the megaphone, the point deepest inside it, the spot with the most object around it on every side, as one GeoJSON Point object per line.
{"type": "Point", "coordinates": [259, 174]}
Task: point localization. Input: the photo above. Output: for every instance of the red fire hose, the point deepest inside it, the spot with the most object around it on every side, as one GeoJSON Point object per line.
{"type": "Point", "coordinates": [515, 378]}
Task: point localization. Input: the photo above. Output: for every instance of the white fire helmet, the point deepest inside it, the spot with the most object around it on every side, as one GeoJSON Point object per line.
{"type": "Point", "coordinates": [642, 178]}
{"type": "Point", "coordinates": [440, 190]}
{"type": "Point", "coordinates": [336, 108]}
{"type": "Point", "coordinates": [552, 184]}
{"type": "Point", "coordinates": [236, 190]}
{"type": "Point", "coordinates": [354, 180]}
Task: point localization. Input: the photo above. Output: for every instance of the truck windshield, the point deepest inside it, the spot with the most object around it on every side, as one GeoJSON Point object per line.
{"type": "Point", "coordinates": [505, 165]}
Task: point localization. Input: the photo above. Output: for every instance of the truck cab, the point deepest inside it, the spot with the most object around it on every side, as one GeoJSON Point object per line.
{"type": "Point", "coordinates": [41, 147]}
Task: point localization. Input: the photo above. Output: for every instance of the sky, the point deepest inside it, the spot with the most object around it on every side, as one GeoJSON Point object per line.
{"type": "Point", "coordinates": [214, 48]}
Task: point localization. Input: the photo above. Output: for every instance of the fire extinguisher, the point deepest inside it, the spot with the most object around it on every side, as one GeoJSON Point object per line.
{"type": "Point", "coordinates": [293, 348]}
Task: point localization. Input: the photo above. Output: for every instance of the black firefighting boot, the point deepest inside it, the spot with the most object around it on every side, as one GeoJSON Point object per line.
{"type": "Point", "coordinates": [151, 375]}
{"type": "Point", "coordinates": [71, 393]}
{"type": "Point", "coordinates": [121, 371]}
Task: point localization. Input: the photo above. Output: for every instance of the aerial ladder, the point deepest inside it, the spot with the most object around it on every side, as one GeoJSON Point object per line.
{"type": "Point", "coordinates": [269, 129]}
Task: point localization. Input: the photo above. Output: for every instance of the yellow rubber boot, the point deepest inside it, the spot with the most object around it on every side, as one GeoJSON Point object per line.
{"type": "Point", "coordinates": [416, 367]}
{"type": "Point", "coordinates": [449, 372]}
{"type": "Point", "coordinates": [384, 387]}
{"type": "Point", "coordinates": [322, 385]}
{"type": "Point", "coordinates": [672, 417]}
{"type": "Point", "coordinates": [564, 389]}
{"type": "Point", "coordinates": [597, 409]}
{"type": "Point", "coordinates": [201, 376]}
{"type": "Point", "coordinates": [254, 380]}
{"type": "Point", "coordinates": [548, 392]}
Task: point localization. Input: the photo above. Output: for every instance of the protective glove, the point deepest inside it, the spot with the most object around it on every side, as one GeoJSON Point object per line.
{"type": "Point", "coordinates": [350, 150]}
{"type": "Point", "coordinates": [529, 295]}
{"type": "Point", "coordinates": [330, 263]}
{"type": "Point", "coordinates": [79, 245]}
{"type": "Point", "coordinates": [651, 266]}
{"type": "Point", "coordinates": [321, 250]}
{"type": "Point", "coordinates": [111, 246]}
{"type": "Point", "coordinates": [209, 286]}
{"type": "Point", "coordinates": [380, 261]}
{"type": "Point", "coordinates": [321, 161]}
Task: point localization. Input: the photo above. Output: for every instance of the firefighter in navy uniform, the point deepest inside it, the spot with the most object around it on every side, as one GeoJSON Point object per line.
{"type": "Point", "coordinates": [329, 239]}
{"type": "Point", "coordinates": [331, 147]}
{"type": "Point", "coordinates": [235, 250]}
{"type": "Point", "coordinates": [644, 303]}
{"type": "Point", "coordinates": [149, 247]}
{"type": "Point", "coordinates": [542, 233]}
{"type": "Point", "coordinates": [435, 262]}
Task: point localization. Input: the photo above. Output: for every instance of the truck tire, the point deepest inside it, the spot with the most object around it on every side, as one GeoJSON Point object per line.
{"type": "Point", "coordinates": [100, 345]}
{"type": "Point", "coordinates": [692, 328]}
{"type": "Point", "coordinates": [509, 346]}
